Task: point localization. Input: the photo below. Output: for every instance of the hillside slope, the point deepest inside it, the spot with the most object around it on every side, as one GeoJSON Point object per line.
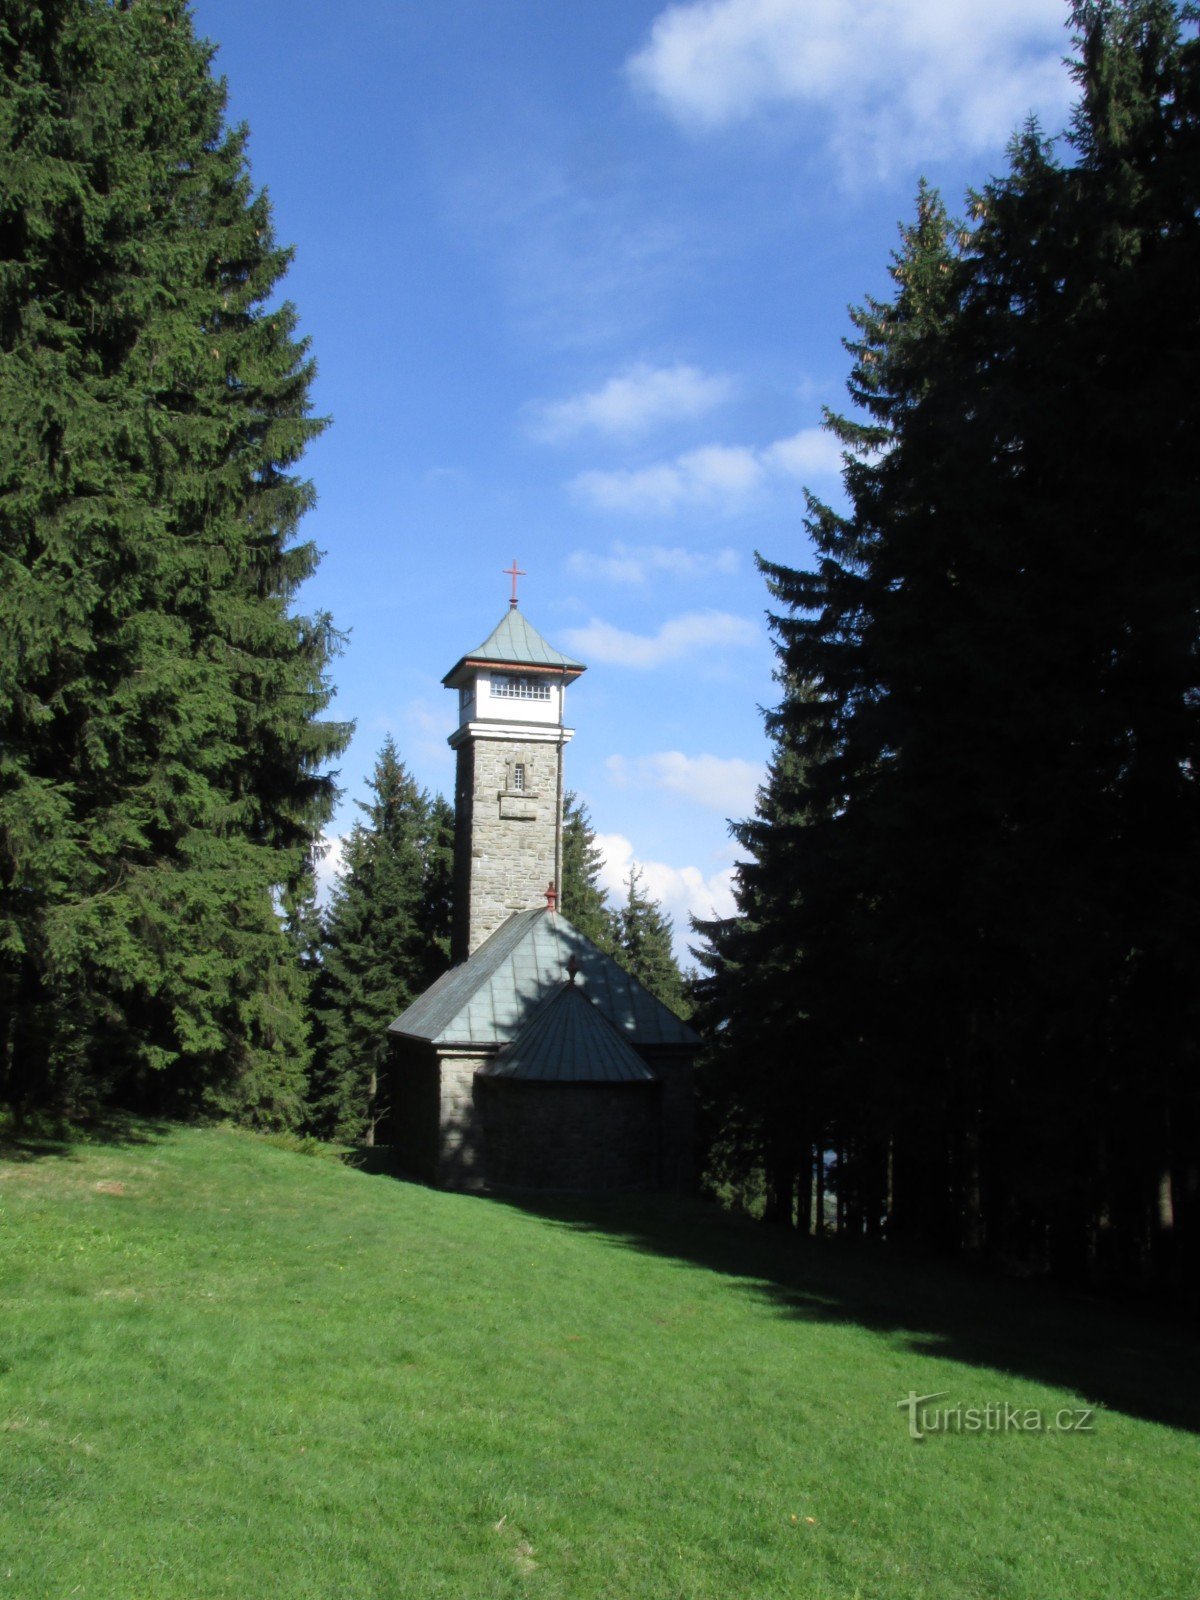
{"type": "Point", "coordinates": [228, 1369]}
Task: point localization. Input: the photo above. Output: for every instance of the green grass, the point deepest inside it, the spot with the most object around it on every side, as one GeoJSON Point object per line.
{"type": "Point", "coordinates": [230, 1369]}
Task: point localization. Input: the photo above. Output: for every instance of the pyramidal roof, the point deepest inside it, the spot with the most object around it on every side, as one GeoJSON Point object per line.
{"type": "Point", "coordinates": [514, 642]}
{"type": "Point", "coordinates": [488, 999]}
{"type": "Point", "coordinates": [567, 1040]}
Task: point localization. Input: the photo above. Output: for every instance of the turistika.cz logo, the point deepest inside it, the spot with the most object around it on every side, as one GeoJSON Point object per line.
{"type": "Point", "coordinates": [997, 1416]}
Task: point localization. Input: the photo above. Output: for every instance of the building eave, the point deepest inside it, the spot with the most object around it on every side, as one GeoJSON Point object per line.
{"type": "Point", "coordinates": [463, 670]}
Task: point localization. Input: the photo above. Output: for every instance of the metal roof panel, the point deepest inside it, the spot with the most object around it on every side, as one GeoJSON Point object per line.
{"type": "Point", "coordinates": [489, 997]}
{"type": "Point", "coordinates": [515, 642]}
{"type": "Point", "coordinates": [568, 1040]}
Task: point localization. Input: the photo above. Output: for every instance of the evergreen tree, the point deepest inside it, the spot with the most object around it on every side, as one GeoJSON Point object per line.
{"type": "Point", "coordinates": [1131, 334]}
{"type": "Point", "coordinates": [582, 901]}
{"type": "Point", "coordinates": [802, 998]}
{"type": "Point", "coordinates": [994, 888]}
{"type": "Point", "coordinates": [160, 761]}
{"type": "Point", "coordinates": [765, 1102]}
{"type": "Point", "coordinates": [644, 945]}
{"type": "Point", "coordinates": [304, 927]}
{"type": "Point", "coordinates": [637, 935]}
{"type": "Point", "coordinates": [386, 939]}
{"type": "Point", "coordinates": [437, 894]}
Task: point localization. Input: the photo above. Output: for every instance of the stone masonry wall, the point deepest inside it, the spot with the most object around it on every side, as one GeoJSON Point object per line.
{"type": "Point", "coordinates": [505, 838]}
{"type": "Point", "coordinates": [460, 1157]}
{"type": "Point", "coordinates": [575, 1136]}
{"type": "Point", "coordinates": [462, 1131]}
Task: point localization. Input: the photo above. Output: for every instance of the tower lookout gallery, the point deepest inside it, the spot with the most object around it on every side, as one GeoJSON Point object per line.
{"type": "Point", "coordinates": [536, 1061]}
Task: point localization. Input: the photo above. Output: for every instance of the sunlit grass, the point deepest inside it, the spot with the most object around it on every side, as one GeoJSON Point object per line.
{"type": "Point", "coordinates": [230, 1369]}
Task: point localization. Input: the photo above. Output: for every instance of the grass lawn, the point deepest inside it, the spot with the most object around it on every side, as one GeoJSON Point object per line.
{"type": "Point", "coordinates": [229, 1369]}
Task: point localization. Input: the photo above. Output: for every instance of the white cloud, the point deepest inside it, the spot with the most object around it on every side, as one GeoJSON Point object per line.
{"type": "Point", "coordinates": [716, 477]}
{"type": "Point", "coordinates": [583, 263]}
{"type": "Point", "coordinates": [636, 563]}
{"type": "Point", "coordinates": [722, 469]}
{"type": "Point", "coordinates": [332, 847]}
{"type": "Point", "coordinates": [725, 783]}
{"type": "Point", "coordinates": [679, 637]}
{"type": "Point", "coordinates": [811, 452]}
{"type": "Point", "coordinates": [641, 398]}
{"type": "Point", "coordinates": [893, 81]}
{"type": "Point", "coordinates": [649, 489]}
{"type": "Point", "coordinates": [682, 892]}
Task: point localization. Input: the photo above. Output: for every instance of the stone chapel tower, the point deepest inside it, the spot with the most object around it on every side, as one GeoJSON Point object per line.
{"type": "Point", "coordinates": [509, 786]}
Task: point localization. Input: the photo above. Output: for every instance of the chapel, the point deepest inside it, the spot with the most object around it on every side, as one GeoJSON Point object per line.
{"type": "Point", "coordinates": [536, 1061]}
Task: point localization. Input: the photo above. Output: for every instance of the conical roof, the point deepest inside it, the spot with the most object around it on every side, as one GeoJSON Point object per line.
{"type": "Point", "coordinates": [514, 642]}
{"type": "Point", "coordinates": [567, 1040]}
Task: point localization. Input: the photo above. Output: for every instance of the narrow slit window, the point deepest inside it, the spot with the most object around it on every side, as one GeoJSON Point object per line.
{"type": "Point", "coordinates": [518, 775]}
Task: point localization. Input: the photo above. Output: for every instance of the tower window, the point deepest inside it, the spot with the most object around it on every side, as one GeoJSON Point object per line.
{"type": "Point", "coordinates": [518, 775]}
{"type": "Point", "coordinates": [511, 686]}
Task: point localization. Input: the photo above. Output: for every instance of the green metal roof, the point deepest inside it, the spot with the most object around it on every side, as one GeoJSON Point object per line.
{"type": "Point", "coordinates": [567, 1040]}
{"type": "Point", "coordinates": [514, 642]}
{"type": "Point", "coordinates": [487, 999]}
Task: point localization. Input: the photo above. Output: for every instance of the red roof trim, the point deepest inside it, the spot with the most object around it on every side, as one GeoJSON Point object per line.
{"type": "Point", "coordinates": [519, 666]}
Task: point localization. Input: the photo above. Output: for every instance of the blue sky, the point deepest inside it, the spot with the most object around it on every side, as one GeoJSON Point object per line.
{"type": "Point", "coordinates": [576, 278]}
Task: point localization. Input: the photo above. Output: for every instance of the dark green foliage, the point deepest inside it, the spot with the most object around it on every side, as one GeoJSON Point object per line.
{"type": "Point", "coordinates": [436, 898]}
{"type": "Point", "coordinates": [637, 935]}
{"type": "Point", "coordinates": [644, 945]}
{"type": "Point", "coordinates": [583, 902]}
{"type": "Point", "coordinates": [387, 937]}
{"type": "Point", "coordinates": [763, 1104]}
{"type": "Point", "coordinates": [160, 762]}
{"type": "Point", "coordinates": [991, 895]}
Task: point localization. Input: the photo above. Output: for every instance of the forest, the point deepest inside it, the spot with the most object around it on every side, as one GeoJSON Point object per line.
{"type": "Point", "coordinates": [957, 1005]}
{"type": "Point", "coordinates": [961, 990]}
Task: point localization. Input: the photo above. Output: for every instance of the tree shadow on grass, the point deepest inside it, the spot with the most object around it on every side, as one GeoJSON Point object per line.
{"type": "Point", "coordinates": [1141, 1365]}
{"type": "Point", "coordinates": [108, 1127]}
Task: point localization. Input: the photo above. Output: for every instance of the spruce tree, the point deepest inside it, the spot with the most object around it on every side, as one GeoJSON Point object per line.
{"type": "Point", "coordinates": [644, 945]}
{"type": "Point", "coordinates": [765, 1095]}
{"type": "Point", "coordinates": [818, 882]}
{"type": "Point", "coordinates": [993, 893]}
{"type": "Point", "coordinates": [637, 934]}
{"type": "Point", "coordinates": [386, 939]}
{"type": "Point", "coordinates": [582, 901]}
{"type": "Point", "coordinates": [161, 761]}
{"type": "Point", "coordinates": [438, 888]}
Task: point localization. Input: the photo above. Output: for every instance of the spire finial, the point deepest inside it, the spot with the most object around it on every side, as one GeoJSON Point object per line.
{"type": "Point", "coordinates": [514, 572]}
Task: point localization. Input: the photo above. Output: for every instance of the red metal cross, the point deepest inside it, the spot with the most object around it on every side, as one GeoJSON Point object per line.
{"type": "Point", "coordinates": [514, 572]}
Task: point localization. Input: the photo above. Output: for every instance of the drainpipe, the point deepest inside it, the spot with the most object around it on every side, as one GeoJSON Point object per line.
{"type": "Point", "coordinates": [558, 813]}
